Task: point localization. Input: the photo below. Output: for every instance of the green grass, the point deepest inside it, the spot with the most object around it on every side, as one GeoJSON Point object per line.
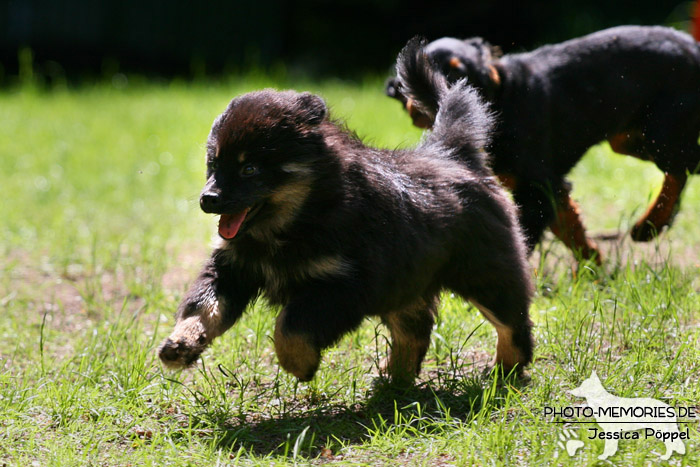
{"type": "Point", "coordinates": [101, 233]}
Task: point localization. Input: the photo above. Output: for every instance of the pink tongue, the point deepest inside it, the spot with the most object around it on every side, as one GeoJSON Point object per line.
{"type": "Point", "coordinates": [230, 223]}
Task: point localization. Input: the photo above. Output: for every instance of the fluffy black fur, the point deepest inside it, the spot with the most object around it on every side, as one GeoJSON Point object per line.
{"type": "Point", "coordinates": [638, 87]}
{"type": "Point", "coordinates": [333, 231]}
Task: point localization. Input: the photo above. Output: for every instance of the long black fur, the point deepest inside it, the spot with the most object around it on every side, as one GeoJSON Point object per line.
{"type": "Point", "coordinates": [418, 79]}
{"type": "Point", "coordinates": [638, 87]}
{"type": "Point", "coordinates": [337, 231]}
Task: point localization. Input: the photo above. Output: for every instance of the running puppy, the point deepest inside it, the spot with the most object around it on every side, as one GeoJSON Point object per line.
{"type": "Point", "coordinates": [637, 87]}
{"type": "Point", "coordinates": [332, 231]}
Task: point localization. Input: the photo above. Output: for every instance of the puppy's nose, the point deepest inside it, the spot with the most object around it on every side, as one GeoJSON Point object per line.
{"type": "Point", "coordinates": [168, 351]}
{"type": "Point", "coordinates": [210, 201]}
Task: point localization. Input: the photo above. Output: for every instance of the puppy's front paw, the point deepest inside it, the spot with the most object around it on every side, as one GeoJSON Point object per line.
{"type": "Point", "coordinates": [184, 346]}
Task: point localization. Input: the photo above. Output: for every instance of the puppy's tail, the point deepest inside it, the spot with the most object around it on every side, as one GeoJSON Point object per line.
{"type": "Point", "coordinates": [418, 80]}
{"type": "Point", "coordinates": [462, 121]}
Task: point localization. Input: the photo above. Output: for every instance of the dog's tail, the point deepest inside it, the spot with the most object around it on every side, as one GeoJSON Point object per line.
{"type": "Point", "coordinates": [462, 121]}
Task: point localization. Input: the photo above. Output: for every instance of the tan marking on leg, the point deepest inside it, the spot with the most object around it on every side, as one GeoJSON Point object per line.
{"type": "Point", "coordinates": [507, 353]}
{"type": "Point", "coordinates": [662, 211]}
{"type": "Point", "coordinates": [488, 314]}
{"type": "Point", "coordinates": [207, 317]}
{"type": "Point", "coordinates": [568, 228]}
{"type": "Point", "coordinates": [192, 335]}
{"type": "Point", "coordinates": [296, 354]}
{"type": "Point", "coordinates": [407, 349]}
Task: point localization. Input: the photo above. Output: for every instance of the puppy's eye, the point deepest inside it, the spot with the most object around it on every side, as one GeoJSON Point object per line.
{"type": "Point", "coordinates": [213, 165]}
{"type": "Point", "coordinates": [248, 170]}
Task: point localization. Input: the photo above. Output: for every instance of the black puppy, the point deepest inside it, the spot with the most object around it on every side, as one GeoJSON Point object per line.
{"type": "Point", "coordinates": [333, 231]}
{"type": "Point", "coordinates": [637, 87]}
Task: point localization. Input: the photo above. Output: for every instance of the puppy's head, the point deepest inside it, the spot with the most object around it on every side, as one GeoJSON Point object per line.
{"type": "Point", "coordinates": [470, 58]}
{"type": "Point", "coordinates": [392, 88]}
{"type": "Point", "coordinates": [260, 160]}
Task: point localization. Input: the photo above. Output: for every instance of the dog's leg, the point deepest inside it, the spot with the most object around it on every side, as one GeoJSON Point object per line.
{"type": "Point", "coordinates": [570, 230]}
{"type": "Point", "coordinates": [514, 344]}
{"type": "Point", "coordinates": [567, 225]}
{"type": "Point", "coordinates": [536, 212]}
{"type": "Point", "coordinates": [311, 323]}
{"type": "Point", "coordinates": [499, 286]}
{"type": "Point", "coordinates": [662, 211]}
{"type": "Point", "coordinates": [629, 143]}
{"type": "Point", "coordinates": [410, 338]}
{"type": "Point", "coordinates": [216, 299]}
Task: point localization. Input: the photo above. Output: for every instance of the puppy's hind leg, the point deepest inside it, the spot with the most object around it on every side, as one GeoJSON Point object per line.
{"type": "Point", "coordinates": [671, 142]}
{"type": "Point", "coordinates": [514, 344]}
{"type": "Point", "coordinates": [410, 338]}
{"type": "Point", "coordinates": [501, 290]}
{"type": "Point", "coordinates": [662, 211]}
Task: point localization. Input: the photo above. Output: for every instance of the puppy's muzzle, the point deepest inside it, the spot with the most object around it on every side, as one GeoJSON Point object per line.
{"type": "Point", "coordinates": [210, 202]}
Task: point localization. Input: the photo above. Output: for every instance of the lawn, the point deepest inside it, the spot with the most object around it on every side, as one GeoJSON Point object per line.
{"type": "Point", "coordinates": [101, 234]}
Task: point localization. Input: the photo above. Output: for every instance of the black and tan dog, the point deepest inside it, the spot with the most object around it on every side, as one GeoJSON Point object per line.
{"type": "Point", "coordinates": [637, 87]}
{"type": "Point", "coordinates": [332, 231]}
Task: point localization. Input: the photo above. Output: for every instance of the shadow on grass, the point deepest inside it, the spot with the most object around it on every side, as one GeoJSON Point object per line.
{"type": "Point", "coordinates": [430, 407]}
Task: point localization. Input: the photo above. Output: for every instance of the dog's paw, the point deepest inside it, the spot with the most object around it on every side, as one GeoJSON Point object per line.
{"type": "Point", "coordinates": [184, 346]}
{"type": "Point", "coordinates": [399, 373]}
{"type": "Point", "coordinates": [177, 354]}
{"type": "Point", "coordinates": [644, 232]}
{"type": "Point", "coordinates": [569, 440]}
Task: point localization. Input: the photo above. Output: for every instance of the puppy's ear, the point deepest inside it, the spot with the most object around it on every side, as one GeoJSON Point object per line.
{"type": "Point", "coordinates": [487, 51]}
{"type": "Point", "coordinates": [312, 108]}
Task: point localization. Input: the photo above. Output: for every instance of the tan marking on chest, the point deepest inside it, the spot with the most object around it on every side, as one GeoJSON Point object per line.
{"type": "Point", "coordinates": [276, 278]}
{"type": "Point", "coordinates": [288, 200]}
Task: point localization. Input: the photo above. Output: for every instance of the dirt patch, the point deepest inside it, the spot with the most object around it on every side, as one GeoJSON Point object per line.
{"type": "Point", "coordinates": [71, 300]}
{"type": "Point", "coordinates": [189, 259]}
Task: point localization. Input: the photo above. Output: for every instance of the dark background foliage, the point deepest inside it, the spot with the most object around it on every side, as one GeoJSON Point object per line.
{"type": "Point", "coordinates": [319, 37]}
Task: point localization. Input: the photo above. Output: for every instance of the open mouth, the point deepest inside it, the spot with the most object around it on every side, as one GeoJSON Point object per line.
{"type": "Point", "coordinates": [230, 224]}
